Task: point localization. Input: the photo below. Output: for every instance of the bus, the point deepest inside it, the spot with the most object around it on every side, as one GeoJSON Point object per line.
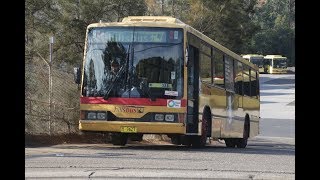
{"type": "Point", "coordinates": [256, 59]}
{"type": "Point", "coordinates": [173, 80]}
{"type": "Point", "coordinates": [276, 64]}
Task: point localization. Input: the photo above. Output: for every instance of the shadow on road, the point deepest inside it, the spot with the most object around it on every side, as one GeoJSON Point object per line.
{"type": "Point", "coordinates": [258, 146]}
{"type": "Point", "coordinates": [273, 94]}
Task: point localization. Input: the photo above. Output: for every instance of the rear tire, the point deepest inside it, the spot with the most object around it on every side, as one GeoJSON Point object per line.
{"type": "Point", "coordinates": [242, 142]}
{"type": "Point", "coordinates": [230, 143]}
{"type": "Point", "coordinates": [119, 139]}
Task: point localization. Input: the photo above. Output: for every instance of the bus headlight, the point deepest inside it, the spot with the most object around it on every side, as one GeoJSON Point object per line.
{"type": "Point", "coordinates": [101, 115]}
{"type": "Point", "coordinates": [92, 115]}
{"type": "Point", "coordinates": [169, 117]}
{"type": "Point", "coordinates": [158, 117]}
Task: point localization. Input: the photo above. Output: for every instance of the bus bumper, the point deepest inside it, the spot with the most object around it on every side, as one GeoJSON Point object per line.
{"type": "Point", "coordinates": [140, 127]}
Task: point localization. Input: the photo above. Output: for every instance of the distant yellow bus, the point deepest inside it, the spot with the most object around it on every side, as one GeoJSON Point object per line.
{"type": "Point", "coordinates": [275, 64]}
{"type": "Point", "coordinates": [189, 87]}
{"type": "Point", "coordinates": [256, 59]}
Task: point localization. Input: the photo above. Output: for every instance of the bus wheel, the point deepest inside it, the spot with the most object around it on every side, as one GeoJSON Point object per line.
{"type": "Point", "coordinates": [136, 137]}
{"type": "Point", "coordinates": [186, 140]}
{"type": "Point", "coordinates": [119, 139]}
{"type": "Point", "coordinates": [176, 140]}
{"type": "Point", "coordinates": [242, 142]}
{"type": "Point", "coordinates": [230, 143]}
{"type": "Point", "coordinates": [200, 141]}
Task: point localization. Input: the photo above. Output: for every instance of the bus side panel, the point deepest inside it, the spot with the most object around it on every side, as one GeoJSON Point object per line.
{"type": "Point", "coordinates": [279, 71]}
{"type": "Point", "coordinates": [235, 121]}
{"type": "Point", "coordinates": [218, 111]}
{"type": "Point", "coordinates": [239, 116]}
{"type": "Point", "coordinates": [251, 107]}
{"type": "Point", "coordinates": [212, 98]}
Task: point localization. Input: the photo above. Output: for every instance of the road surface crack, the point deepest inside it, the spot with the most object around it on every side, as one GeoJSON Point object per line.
{"type": "Point", "coordinates": [91, 174]}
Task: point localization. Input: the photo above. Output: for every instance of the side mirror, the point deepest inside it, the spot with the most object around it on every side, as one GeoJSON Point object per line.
{"type": "Point", "coordinates": [76, 73]}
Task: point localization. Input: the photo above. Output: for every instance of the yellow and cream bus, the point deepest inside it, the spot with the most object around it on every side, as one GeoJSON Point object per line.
{"type": "Point", "coordinates": [173, 80]}
{"type": "Point", "coordinates": [256, 59]}
{"type": "Point", "coordinates": [275, 64]}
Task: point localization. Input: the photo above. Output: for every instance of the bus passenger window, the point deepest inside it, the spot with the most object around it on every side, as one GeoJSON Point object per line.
{"type": "Point", "coordinates": [229, 73]}
{"type": "Point", "coordinates": [254, 83]}
{"type": "Point", "coordinates": [246, 80]}
{"type": "Point", "coordinates": [205, 68]}
{"type": "Point", "coordinates": [238, 78]}
{"type": "Point", "coordinates": [219, 71]}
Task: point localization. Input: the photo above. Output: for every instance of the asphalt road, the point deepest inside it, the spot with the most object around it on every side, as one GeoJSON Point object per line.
{"type": "Point", "coordinates": [271, 155]}
{"type": "Point", "coordinates": [277, 105]}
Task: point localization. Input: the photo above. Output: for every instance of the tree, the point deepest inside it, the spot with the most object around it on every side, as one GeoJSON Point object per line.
{"type": "Point", "coordinates": [67, 21]}
{"type": "Point", "coordinates": [277, 35]}
{"type": "Point", "coordinates": [227, 22]}
{"type": "Point", "coordinates": [78, 15]}
{"type": "Point", "coordinates": [40, 22]}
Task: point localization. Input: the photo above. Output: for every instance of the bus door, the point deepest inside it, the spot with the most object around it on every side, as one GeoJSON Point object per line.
{"type": "Point", "coordinates": [193, 90]}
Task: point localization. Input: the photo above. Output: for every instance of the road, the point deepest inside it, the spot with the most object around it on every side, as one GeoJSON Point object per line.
{"type": "Point", "coordinates": [271, 155]}
{"type": "Point", "coordinates": [277, 105]}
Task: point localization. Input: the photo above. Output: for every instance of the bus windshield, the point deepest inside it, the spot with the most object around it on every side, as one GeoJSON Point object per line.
{"type": "Point", "coordinates": [280, 63]}
{"type": "Point", "coordinates": [257, 61]}
{"type": "Point", "coordinates": [133, 62]}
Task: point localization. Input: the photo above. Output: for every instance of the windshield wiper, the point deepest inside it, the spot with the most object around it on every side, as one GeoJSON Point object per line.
{"type": "Point", "coordinates": [116, 79]}
{"type": "Point", "coordinates": [152, 98]}
{"type": "Point", "coordinates": [146, 90]}
{"type": "Point", "coordinates": [123, 69]}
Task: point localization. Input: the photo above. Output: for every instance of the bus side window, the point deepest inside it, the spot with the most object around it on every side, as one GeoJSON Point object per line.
{"type": "Point", "coordinates": [219, 70]}
{"type": "Point", "coordinates": [205, 68]}
{"type": "Point", "coordinates": [212, 64]}
{"type": "Point", "coordinates": [238, 78]}
{"type": "Point", "coordinates": [205, 63]}
{"type": "Point", "coordinates": [253, 83]}
{"type": "Point", "coordinates": [246, 80]}
{"type": "Point", "coordinates": [229, 80]}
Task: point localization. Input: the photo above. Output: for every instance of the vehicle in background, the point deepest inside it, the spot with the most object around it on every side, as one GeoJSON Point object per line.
{"type": "Point", "coordinates": [275, 64]}
{"type": "Point", "coordinates": [256, 59]}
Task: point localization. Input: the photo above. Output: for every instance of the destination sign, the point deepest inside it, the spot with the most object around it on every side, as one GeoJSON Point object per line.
{"type": "Point", "coordinates": [126, 35]}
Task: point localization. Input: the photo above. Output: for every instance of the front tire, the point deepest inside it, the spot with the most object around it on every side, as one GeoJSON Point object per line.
{"type": "Point", "coordinates": [119, 139]}
{"type": "Point", "coordinates": [176, 140]}
{"type": "Point", "coordinates": [200, 141]}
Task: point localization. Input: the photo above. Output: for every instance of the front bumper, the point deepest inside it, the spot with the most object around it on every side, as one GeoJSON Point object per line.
{"type": "Point", "coordinates": [142, 127]}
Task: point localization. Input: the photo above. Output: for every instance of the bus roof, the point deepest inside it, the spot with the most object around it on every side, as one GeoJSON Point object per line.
{"type": "Point", "coordinates": [275, 57]}
{"type": "Point", "coordinates": [168, 21]}
{"type": "Point", "coordinates": [252, 55]}
{"type": "Point", "coordinates": [151, 21]}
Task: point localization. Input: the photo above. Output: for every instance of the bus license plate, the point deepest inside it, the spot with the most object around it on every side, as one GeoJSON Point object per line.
{"type": "Point", "coordinates": [128, 129]}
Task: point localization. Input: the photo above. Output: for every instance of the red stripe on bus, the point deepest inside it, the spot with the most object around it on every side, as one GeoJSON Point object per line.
{"type": "Point", "coordinates": [128, 101]}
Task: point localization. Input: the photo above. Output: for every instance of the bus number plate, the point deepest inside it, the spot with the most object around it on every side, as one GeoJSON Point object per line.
{"type": "Point", "coordinates": [128, 129]}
